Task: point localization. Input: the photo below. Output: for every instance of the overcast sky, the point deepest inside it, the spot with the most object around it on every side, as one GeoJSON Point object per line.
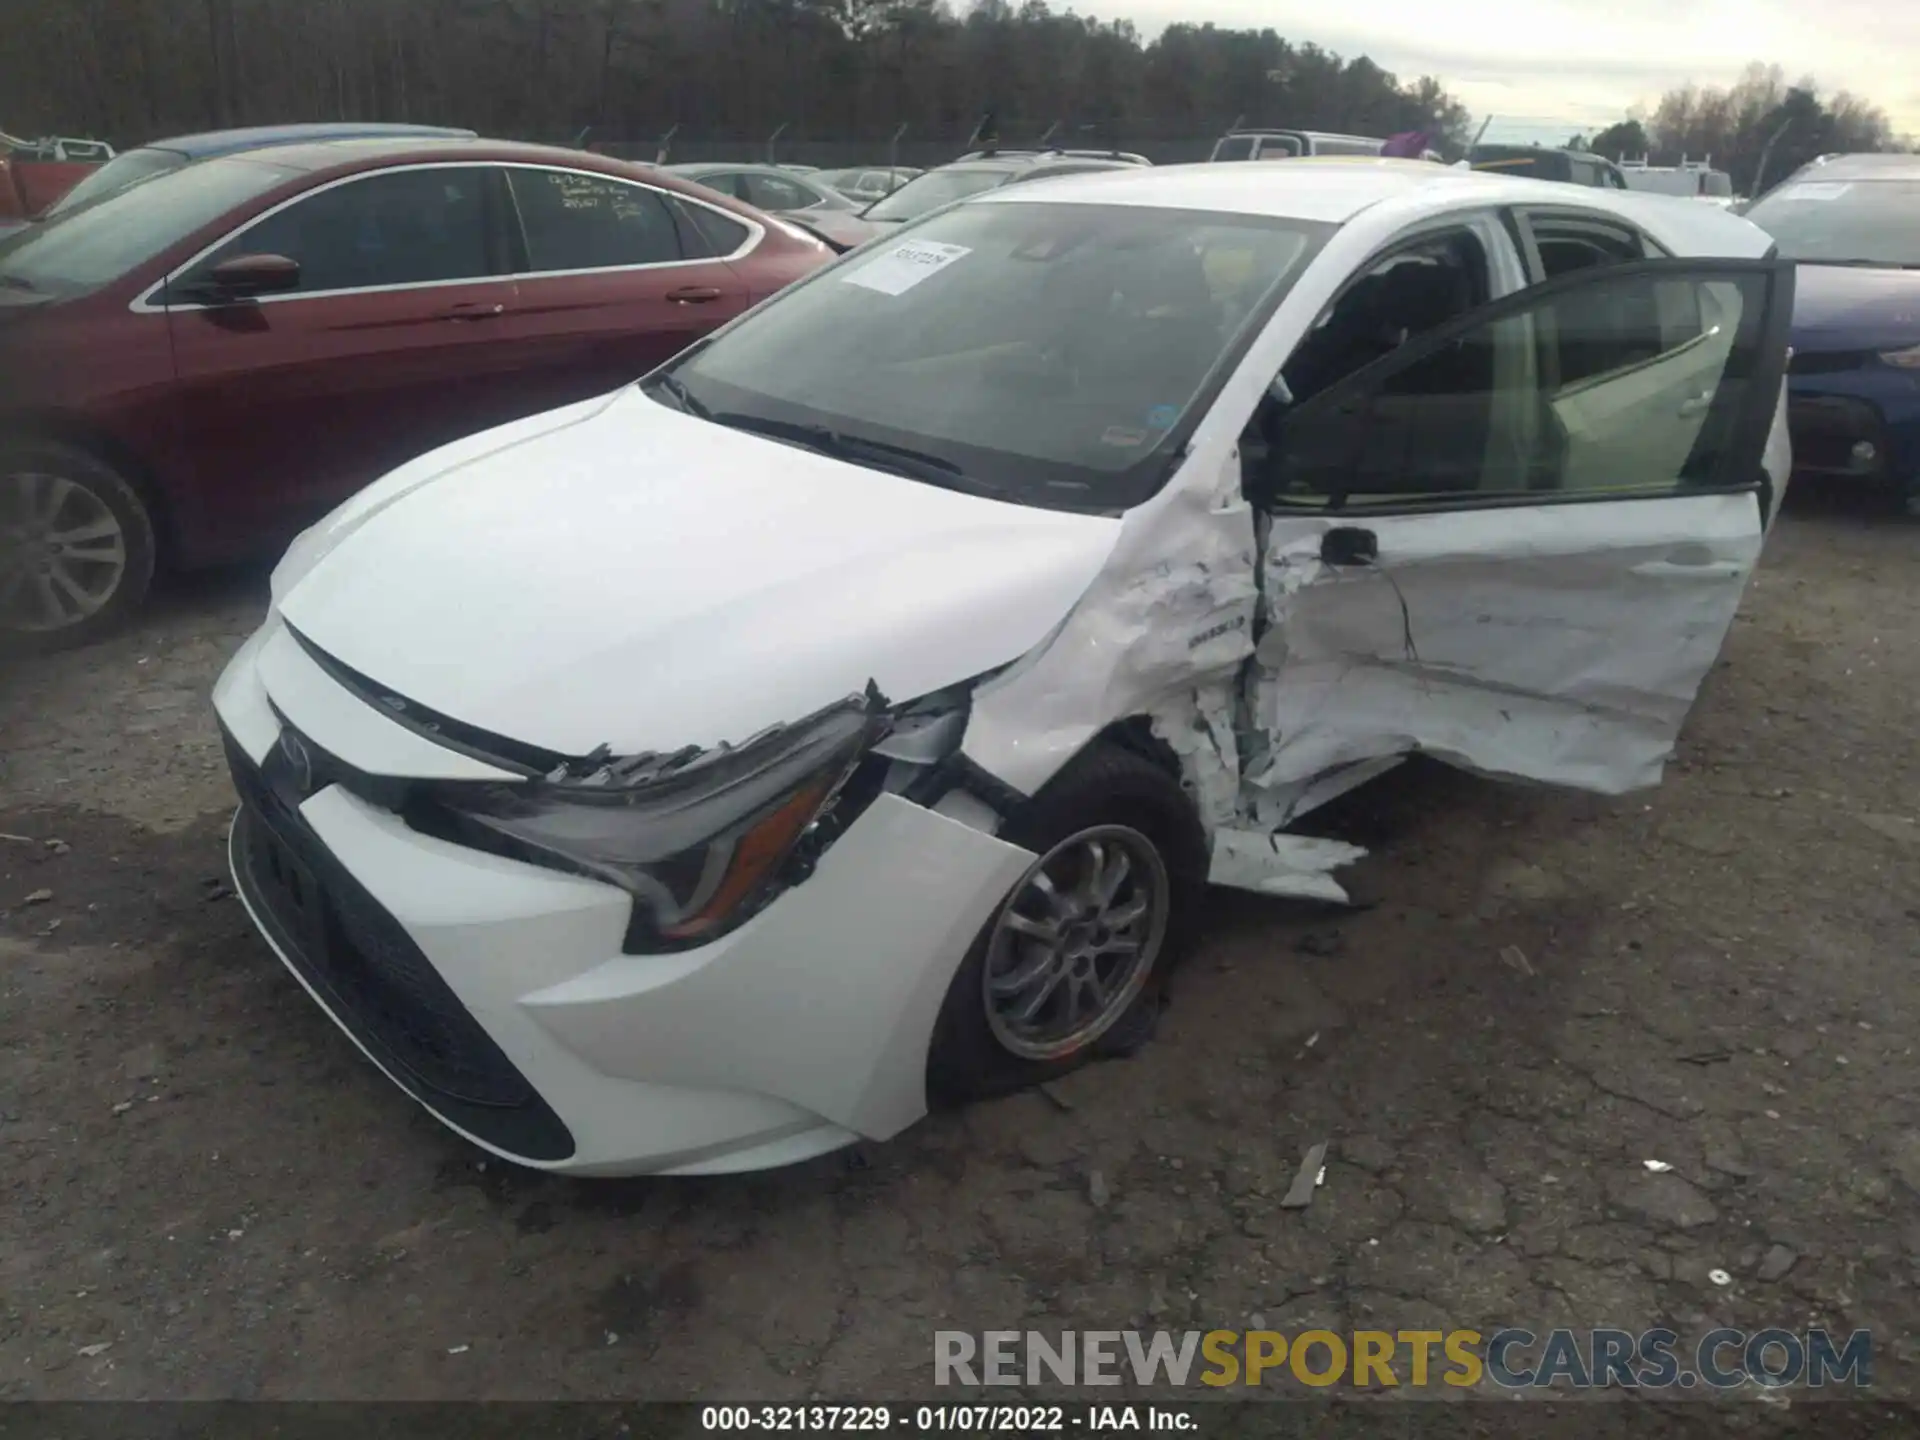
{"type": "Point", "coordinates": [1556, 62]}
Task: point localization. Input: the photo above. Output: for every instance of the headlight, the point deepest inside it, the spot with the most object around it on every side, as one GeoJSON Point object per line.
{"type": "Point", "coordinates": [700, 838]}
{"type": "Point", "coordinates": [1908, 359]}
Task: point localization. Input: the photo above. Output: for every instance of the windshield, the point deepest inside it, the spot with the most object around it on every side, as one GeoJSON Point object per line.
{"type": "Point", "coordinates": [1054, 354]}
{"type": "Point", "coordinates": [934, 189]}
{"type": "Point", "coordinates": [118, 173]}
{"type": "Point", "coordinates": [97, 244]}
{"type": "Point", "coordinates": [1865, 222]}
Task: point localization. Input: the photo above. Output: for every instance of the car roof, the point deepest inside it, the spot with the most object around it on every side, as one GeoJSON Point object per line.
{"type": "Point", "coordinates": [1862, 167]}
{"type": "Point", "coordinates": [1315, 134]}
{"type": "Point", "coordinates": [209, 143]}
{"type": "Point", "coordinates": [1334, 189]}
{"type": "Point", "coordinates": [1011, 160]}
{"type": "Point", "coordinates": [366, 152]}
{"type": "Point", "coordinates": [732, 167]}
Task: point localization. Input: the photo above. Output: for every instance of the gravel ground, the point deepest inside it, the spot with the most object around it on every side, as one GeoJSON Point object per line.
{"type": "Point", "coordinates": [204, 1177]}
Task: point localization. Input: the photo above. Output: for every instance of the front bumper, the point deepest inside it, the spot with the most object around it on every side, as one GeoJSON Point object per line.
{"type": "Point", "coordinates": [1837, 437]}
{"type": "Point", "coordinates": [496, 993]}
{"type": "Point", "coordinates": [1854, 423]}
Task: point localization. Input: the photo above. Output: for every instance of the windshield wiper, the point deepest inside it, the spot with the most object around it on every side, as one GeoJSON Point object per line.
{"type": "Point", "coordinates": [1868, 264]}
{"type": "Point", "coordinates": [877, 454]}
{"type": "Point", "coordinates": [682, 396]}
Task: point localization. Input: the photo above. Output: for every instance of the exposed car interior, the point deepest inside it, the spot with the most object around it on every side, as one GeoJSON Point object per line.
{"type": "Point", "coordinates": [1561, 398]}
{"type": "Point", "coordinates": [1406, 294]}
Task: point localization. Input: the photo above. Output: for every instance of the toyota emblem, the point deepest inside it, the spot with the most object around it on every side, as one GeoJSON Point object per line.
{"type": "Point", "coordinates": [298, 760]}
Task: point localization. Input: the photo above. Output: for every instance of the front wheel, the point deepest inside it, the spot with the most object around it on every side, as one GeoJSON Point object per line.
{"type": "Point", "coordinates": [1072, 962]}
{"type": "Point", "coordinates": [76, 546]}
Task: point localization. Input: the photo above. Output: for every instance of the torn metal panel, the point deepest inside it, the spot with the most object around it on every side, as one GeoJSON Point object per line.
{"type": "Point", "coordinates": [1278, 808]}
{"type": "Point", "coordinates": [1166, 631]}
{"type": "Point", "coordinates": [1169, 619]}
{"type": "Point", "coordinates": [1296, 866]}
{"type": "Point", "coordinates": [1198, 727]}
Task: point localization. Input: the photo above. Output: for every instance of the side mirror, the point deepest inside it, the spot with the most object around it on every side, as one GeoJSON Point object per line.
{"type": "Point", "coordinates": [246, 276]}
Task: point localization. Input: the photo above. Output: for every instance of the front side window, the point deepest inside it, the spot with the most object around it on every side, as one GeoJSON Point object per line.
{"type": "Point", "coordinates": [1844, 222]}
{"type": "Point", "coordinates": [574, 221]}
{"type": "Point", "coordinates": [95, 246]}
{"type": "Point", "coordinates": [1627, 382]}
{"type": "Point", "coordinates": [934, 189]}
{"type": "Point", "coordinates": [1053, 354]}
{"type": "Point", "coordinates": [397, 227]}
{"type": "Point", "coordinates": [1281, 147]}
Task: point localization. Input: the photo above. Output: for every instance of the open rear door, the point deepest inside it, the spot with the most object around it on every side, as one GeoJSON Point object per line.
{"type": "Point", "coordinates": [1518, 542]}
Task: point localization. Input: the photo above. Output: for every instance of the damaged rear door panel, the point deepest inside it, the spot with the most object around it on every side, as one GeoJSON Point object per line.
{"type": "Point", "coordinates": [1518, 543]}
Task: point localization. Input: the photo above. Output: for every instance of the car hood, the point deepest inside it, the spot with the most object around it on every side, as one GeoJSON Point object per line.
{"type": "Point", "coordinates": [619, 573]}
{"type": "Point", "coordinates": [1846, 307]}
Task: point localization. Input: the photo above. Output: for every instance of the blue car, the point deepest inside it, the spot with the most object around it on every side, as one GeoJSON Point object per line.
{"type": "Point", "coordinates": [130, 167]}
{"type": "Point", "coordinates": [1853, 223]}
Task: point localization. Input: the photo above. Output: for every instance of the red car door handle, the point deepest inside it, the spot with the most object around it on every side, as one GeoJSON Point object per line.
{"type": "Point", "coordinates": [473, 311]}
{"type": "Point", "coordinates": [693, 294]}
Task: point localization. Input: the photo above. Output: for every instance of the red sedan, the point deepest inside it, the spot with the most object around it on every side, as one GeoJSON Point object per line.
{"type": "Point", "coordinates": [195, 367]}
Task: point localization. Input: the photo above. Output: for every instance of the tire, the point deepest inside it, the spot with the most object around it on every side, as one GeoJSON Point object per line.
{"type": "Point", "coordinates": [1124, 803]}
{"type": "Point", "coordinates": [53, 600]}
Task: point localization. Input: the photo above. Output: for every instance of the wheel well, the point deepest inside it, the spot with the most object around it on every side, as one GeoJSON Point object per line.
{"type": "Point", "coordinates": [67, 430]}
{"type": "Point", "coordinates": [1135, 733]}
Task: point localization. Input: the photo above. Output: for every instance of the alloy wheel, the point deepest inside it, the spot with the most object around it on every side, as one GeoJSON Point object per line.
{"type": "Point", "coordinates": [1072, 948]}
{"type": "Point", "coordinates": [63, 553]}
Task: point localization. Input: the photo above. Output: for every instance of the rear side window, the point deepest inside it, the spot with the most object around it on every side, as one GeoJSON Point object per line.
{"type": "Point", "coordinates": [1567, 245]}
{"type": "Point", "coordinates": [708, 233]}
{"type": "Point", "coordinates": [771, 192]}
{"type": "Point", "coordinates": [591, 222]}
{"type": "Point", "coordinates": [400, 227]}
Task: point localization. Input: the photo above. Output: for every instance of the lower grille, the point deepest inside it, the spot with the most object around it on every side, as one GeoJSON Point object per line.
{"type": "Point", "coordinates": [379, 984]}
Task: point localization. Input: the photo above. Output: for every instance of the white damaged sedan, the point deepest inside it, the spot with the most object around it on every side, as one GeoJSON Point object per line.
{"type": "Point", "coordinates": [848, 717]}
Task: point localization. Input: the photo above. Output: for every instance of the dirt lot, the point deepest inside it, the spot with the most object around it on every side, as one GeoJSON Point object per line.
{"type": "Point", "coordinates": [202, 1175]}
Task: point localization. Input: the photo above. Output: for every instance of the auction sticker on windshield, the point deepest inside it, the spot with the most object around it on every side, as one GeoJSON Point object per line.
{"type": "Point", "coordinates": [904, 266]}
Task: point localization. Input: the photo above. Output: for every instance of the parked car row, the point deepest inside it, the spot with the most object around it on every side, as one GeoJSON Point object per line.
{"type": "Point", "coordinates": [204, 360]}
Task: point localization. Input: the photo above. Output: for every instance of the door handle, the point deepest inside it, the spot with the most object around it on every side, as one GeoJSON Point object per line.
{"type": "Point", "coordinates": [694, 294]}
{"type": "Point", "coordinates": [473, 310]}
{"type": "Point", "coordinates": [1695, 404]}
{"type": "Point", "coordinates": [1687, 568]}
{"type": "Point", "coordinates": [1349, 545]}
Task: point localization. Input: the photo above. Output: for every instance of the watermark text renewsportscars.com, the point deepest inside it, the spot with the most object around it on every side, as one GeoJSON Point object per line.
{"type": "Point", "coordinates": [1509, 1358]}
